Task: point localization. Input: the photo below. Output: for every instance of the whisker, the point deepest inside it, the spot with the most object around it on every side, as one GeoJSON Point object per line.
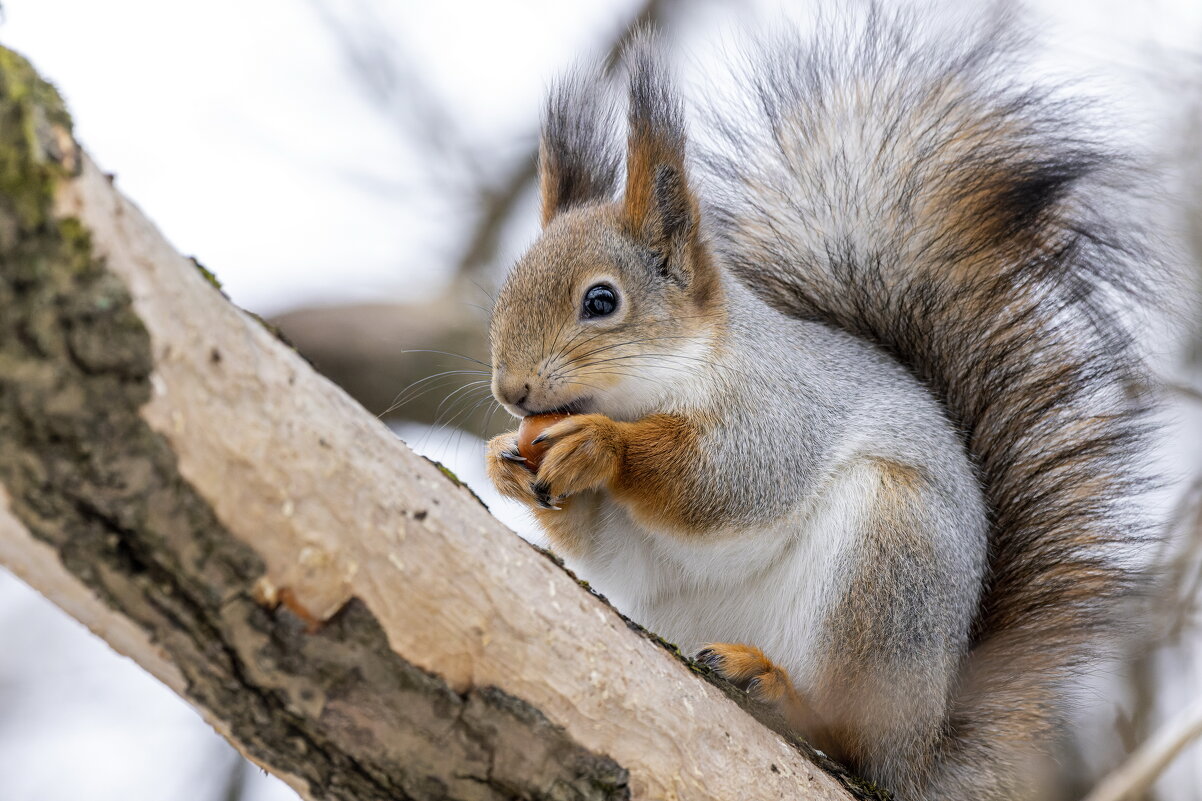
{"type": "Point", "coordinates": [462, 429]}
{"type": "Point", "coordinates": [491, 297]}
{"type": "Point", "coordinates": [653, 321]}
{"type": "Point", "coordinates": [581, 383]}
{"type": "Point", "coordinates": [656, 381]}
{"type": "Point", "coordinates": [488, 422]}
{"type": "Point", "coordinates": [464, 413]}
{"type": "Point", "coordinates": [664, 321]}
{"type": "Point", "coordinates": [470, 388]}
{"type": "Point", "coordinates": [633, 342]}
{"type": "Point", "coordinates": [656, 356]}
{"type": "Point", "coordinates": [410, 393]}
{"type": "Point", "coordinates": [448, 353]}
{"type": "Point", "coordinates": [441, 421]}
{"type": "Point", "coordinates": [410, 397]}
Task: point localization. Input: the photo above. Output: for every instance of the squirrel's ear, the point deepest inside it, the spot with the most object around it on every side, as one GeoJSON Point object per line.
{"type": "Point", "coordinates": [659, 206]}
{"type": "Point", "coordinates": [578, 160]}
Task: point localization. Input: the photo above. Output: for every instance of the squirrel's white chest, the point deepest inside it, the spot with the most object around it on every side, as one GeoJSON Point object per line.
{"type": "Point", "coordinates": [768, 587]}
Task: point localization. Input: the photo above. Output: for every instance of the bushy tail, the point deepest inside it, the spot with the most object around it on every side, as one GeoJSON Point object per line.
{"type": "Point", "coordinates": [911, 194]}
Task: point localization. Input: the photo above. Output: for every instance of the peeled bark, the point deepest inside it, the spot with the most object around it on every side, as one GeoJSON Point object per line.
{"type": "Point", "coordinates": [342, 610]}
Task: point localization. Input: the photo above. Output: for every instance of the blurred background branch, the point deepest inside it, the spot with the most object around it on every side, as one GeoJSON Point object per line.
{"type": "Point", "coordinates": [1135, 776]}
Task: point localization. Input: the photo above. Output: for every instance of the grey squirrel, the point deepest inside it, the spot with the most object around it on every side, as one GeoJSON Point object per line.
{"type": "Point", "coordinates": [852, 411]}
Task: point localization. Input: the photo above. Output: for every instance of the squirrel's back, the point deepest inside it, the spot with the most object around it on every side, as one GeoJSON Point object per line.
{"type": "Point", "coordinates": [918, 197]}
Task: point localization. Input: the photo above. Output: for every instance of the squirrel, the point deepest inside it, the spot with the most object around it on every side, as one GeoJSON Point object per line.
{"type": "Point", "coordinates": [854, 411]}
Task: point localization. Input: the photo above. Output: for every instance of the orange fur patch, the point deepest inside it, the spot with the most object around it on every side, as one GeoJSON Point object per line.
{"type": "Point", "coordinates": [768, 683]}
{"type": "Point", "coordinates": [655, 451]}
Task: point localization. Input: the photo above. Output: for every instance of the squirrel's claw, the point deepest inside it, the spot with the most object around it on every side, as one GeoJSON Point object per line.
{"type": "Point", "coordinates": [512, 474]}
{"type": "Point", "coordinates": [542, 495]}
{"type": "Point", "coordinates": [708, 657]}
{"type": "Point", "coordinates": [581, 455]}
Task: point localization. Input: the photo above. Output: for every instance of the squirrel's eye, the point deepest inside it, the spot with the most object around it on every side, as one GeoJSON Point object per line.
{"type": "Point", "coordinates": [599, 301]}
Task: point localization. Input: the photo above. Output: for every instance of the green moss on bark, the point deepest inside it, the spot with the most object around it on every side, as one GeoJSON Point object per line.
{"type": "Point", "coordinates": [31, 111]}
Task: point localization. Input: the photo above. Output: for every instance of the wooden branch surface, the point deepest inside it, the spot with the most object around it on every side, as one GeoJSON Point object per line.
{"type": "Point", "coordinates": [343, 611]}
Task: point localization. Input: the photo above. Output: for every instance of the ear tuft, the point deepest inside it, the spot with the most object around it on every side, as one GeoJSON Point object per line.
{"type": "Point", "coordinates": [578, 158]}
{"type": "Point", "coordinates": [659, 207]}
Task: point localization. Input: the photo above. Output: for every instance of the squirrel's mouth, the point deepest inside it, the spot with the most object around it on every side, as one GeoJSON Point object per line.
{"type": "Point", "coordinates": [578, 406]}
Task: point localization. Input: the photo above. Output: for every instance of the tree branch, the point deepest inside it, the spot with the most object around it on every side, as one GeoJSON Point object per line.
{"type": "Point", "coordinates": [350, 617]}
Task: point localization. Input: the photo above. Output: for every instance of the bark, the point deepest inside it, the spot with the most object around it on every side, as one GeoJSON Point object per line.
{"type": "Point", "coordinates": [346, 613]}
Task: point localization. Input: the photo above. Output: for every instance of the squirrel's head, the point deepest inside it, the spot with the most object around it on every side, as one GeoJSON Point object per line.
{"type": "Point", "coordinates": [614, 306]}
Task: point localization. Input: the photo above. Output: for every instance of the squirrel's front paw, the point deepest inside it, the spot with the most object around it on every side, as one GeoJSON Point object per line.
{"type": "Point", "coordinates": [509, 474]}
{"type": "Point", "coordinates": [584, 453]}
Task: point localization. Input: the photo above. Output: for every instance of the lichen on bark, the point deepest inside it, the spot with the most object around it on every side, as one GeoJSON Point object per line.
{"type": "Point", "coordinates": [84, 473]}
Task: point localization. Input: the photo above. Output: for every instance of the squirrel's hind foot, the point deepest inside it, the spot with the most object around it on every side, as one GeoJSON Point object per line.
{"type": "Point", "coordinates": [746, 667]}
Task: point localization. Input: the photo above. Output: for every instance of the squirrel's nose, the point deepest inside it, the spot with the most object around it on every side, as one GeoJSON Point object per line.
{"type": "Point", "coordinates": [513, 392]}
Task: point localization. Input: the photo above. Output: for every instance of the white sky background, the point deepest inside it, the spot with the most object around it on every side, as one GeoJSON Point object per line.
{"type": "Point", "coordinates": [237, 126]}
